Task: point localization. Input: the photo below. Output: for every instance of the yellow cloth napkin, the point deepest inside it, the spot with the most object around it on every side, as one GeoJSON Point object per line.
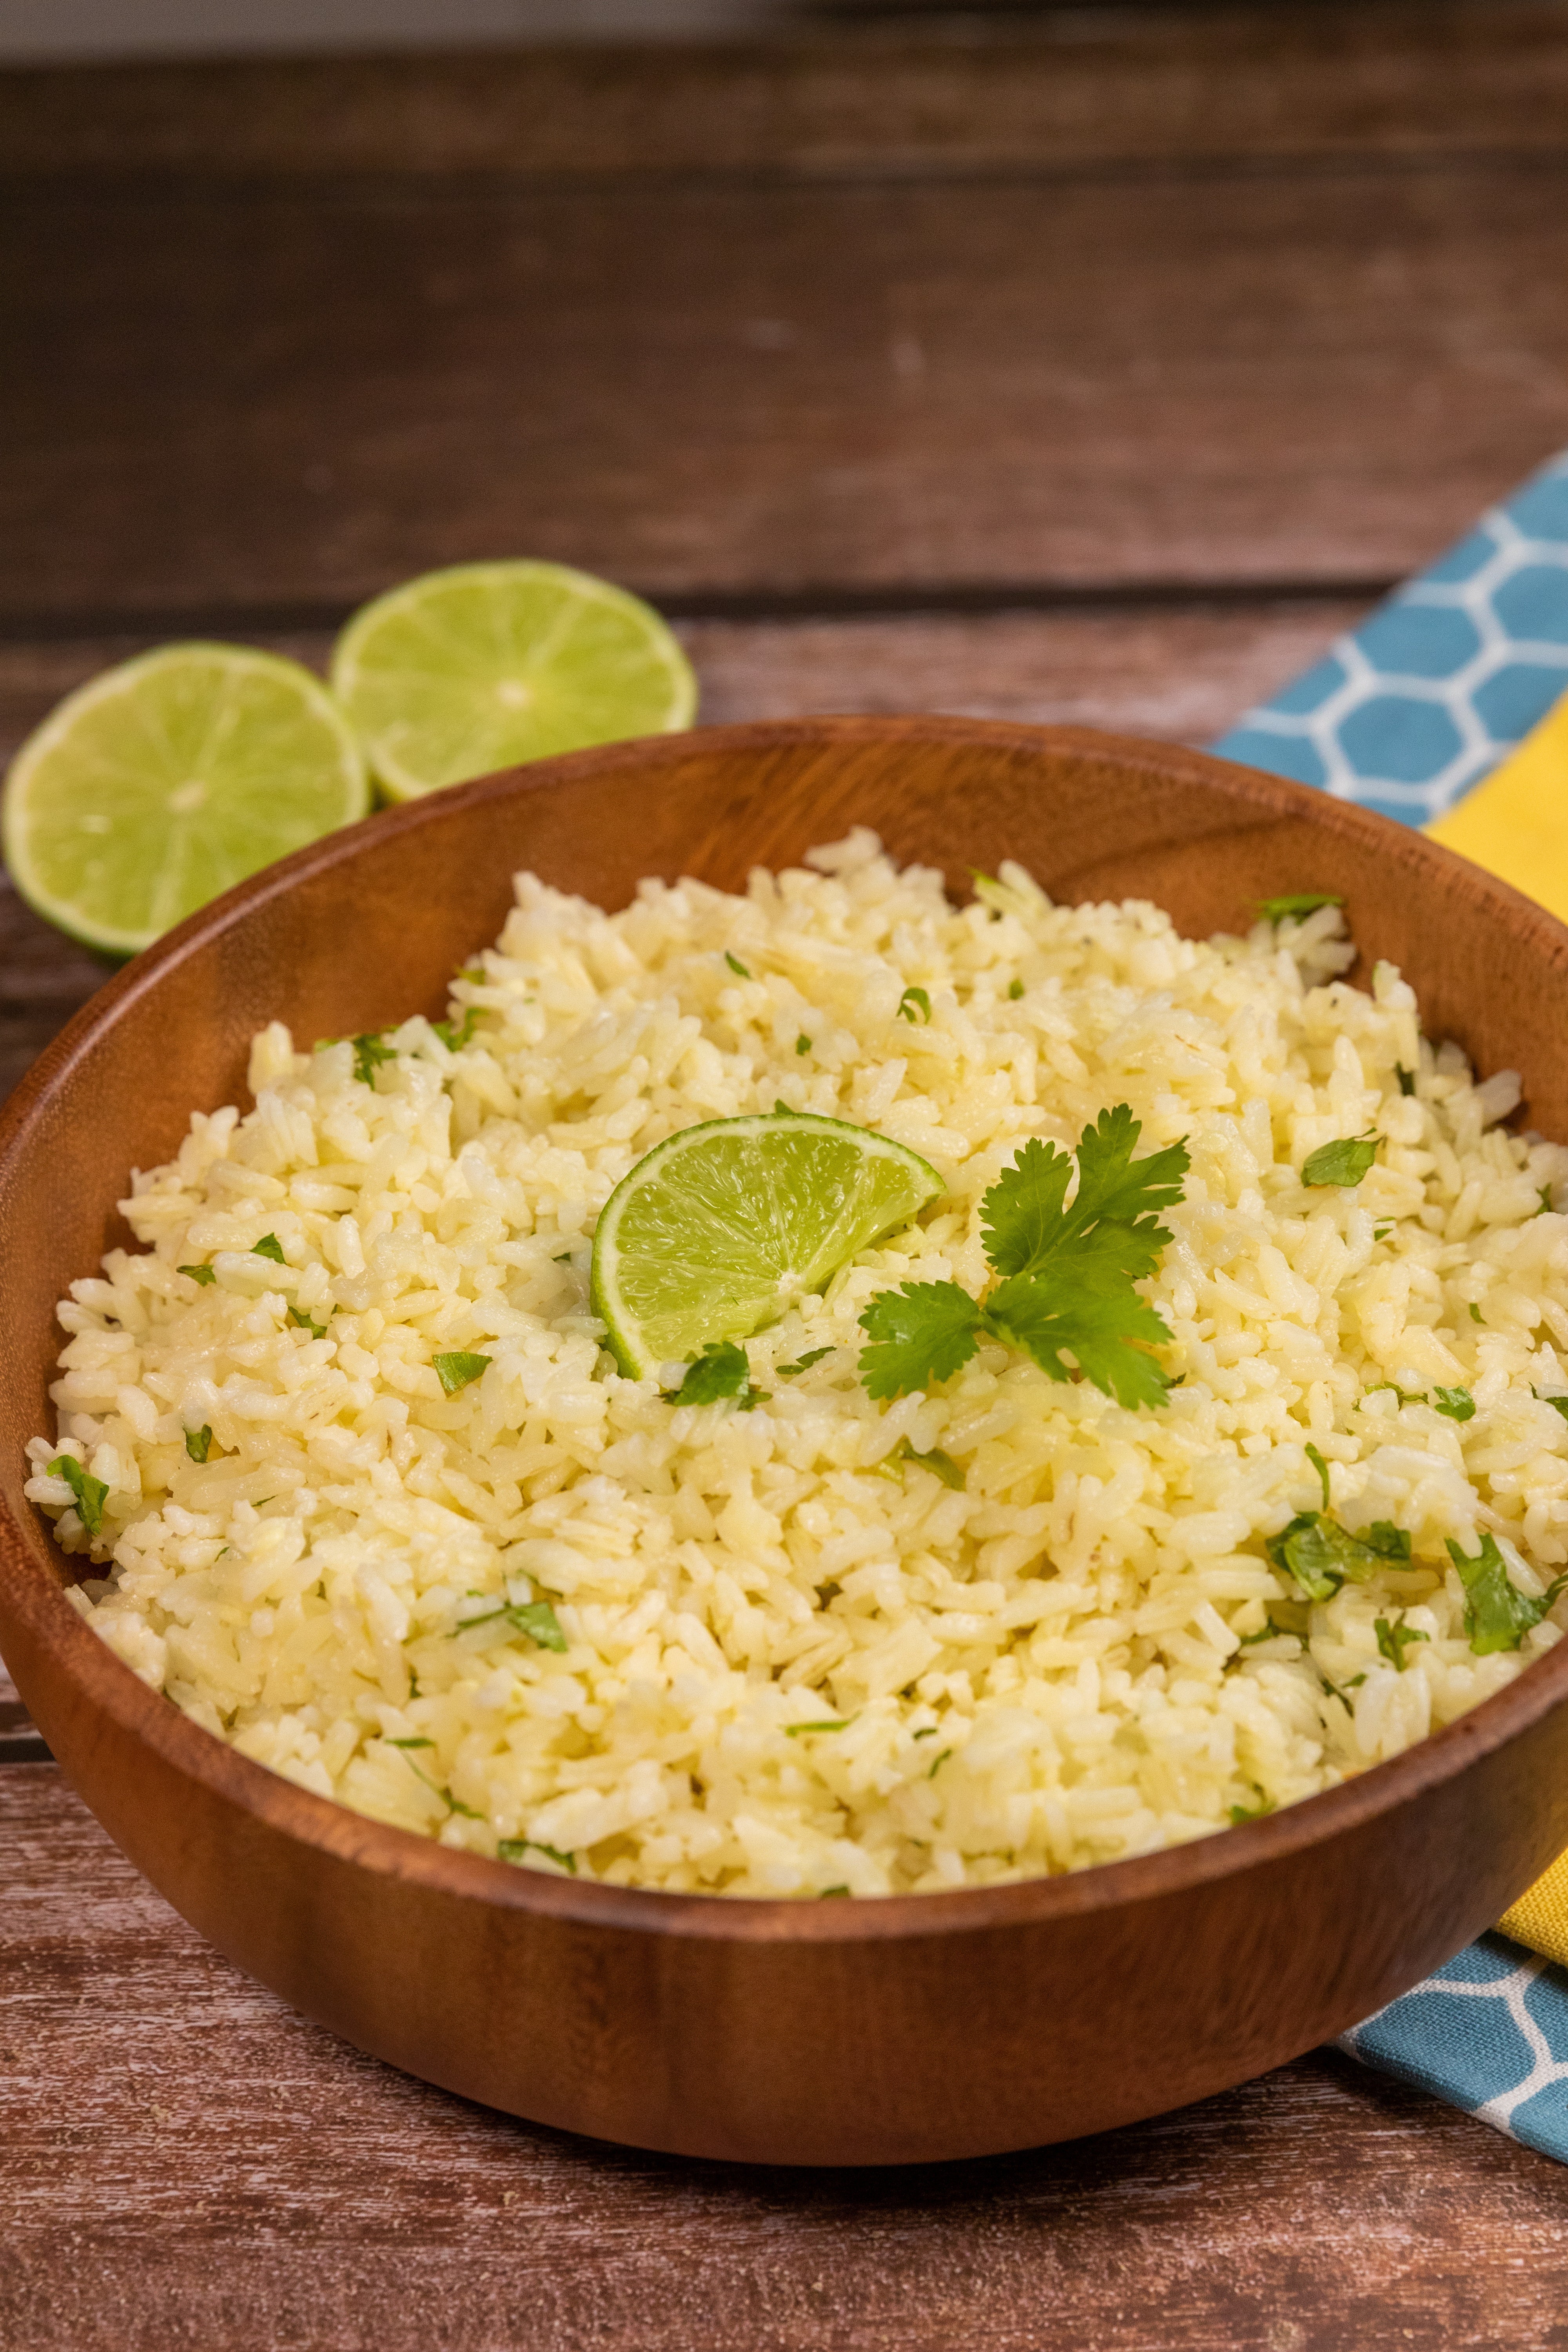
{"type": "Point", "coordinates": [1516, 825]}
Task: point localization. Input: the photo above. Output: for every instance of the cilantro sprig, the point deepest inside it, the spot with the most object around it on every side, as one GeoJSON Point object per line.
{"type": "Point", "coordinates": [1066, 1295]}
{"type": "Point", "coordinates": [1498, 1615]}
{"type": "Point", "coordinates": [720, 1370]}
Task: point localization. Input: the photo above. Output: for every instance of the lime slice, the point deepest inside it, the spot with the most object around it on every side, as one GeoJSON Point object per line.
{"type": "Point", "coordinates": [723, 1227]}
{"type": "Point", "coordinates": [169, 779]}
{"type": "Point", "coordinates": [463, 671]}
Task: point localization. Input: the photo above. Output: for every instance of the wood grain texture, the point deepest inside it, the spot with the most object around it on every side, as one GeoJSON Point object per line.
{"type": "Point", "coordinates": [1183, 674]}
{"type": "Point", "coordinates": [677, 2021]}
{"type": "Point", "coordinates": [1072, 89]}
{"type": "Point", "coordinates": [277, 401]}
{"type": "Point", "coordinates": [189, 2162]}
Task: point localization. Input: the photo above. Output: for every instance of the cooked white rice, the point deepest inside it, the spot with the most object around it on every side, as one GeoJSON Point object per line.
{"type": "Point", "coordinates": [1047, 1669]}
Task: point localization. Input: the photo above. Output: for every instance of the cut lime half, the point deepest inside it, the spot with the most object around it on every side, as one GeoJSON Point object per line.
{"type": "Point", "coordinates": [169, 779]}
{"type": "Point", "coordinates": [463, 671]}
{"type": "Point", "coordinates": [723, 1227]}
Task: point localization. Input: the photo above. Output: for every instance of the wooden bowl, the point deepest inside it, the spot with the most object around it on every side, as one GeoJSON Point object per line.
{"type": "Point", "coordinates": [859, 2033]}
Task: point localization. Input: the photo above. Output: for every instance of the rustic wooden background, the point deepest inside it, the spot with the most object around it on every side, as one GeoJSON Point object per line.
{"type": "Point", "coordinates": [1077, 364]}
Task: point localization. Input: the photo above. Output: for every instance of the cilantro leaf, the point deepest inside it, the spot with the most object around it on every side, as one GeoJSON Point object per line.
{"type": "Point", "coordinates": [941, 1465]}
{"type": "Point", "coordinates": [1239, 1814]}
{"type": "Point", "coordinates": [1406, 1078]}
{"type": "Point", "coordinates": [1297, 904]}
{"type": "Point", "coordinates": [269, 1247]}
{"type": "Point", "coordinates": [1498, 1615]}
{"type": "Point", "coordinates": [199, 1443]}
{"type": "Point", "coordinates": [1458, 1403]}
{"type": "Point", "coordinates": [736, 965]}
{"type": "Point", "coordinates": [720, 1370]}
{"type": "Point", "coordinates": [815, 1355]}
{"type": "Point", "coordinates": [201, 1274]}
{"type": "Point", "coordinates": [920, 1333]}
{"type": "Point", "coordinates": [1344, 1161]}
{"type": "Point", "coordinates": [537, 1619]}
{"type": "Point", "coordinates": [1545, 1208]}
{"type": "Point", "coordinates": [1321, 1467]}
{"type": "Point", "coordinates": [1321, 1555]}
{"type": "Point", "coordinates": [456, 1370]}
{"type": "Point", "coordinates": [1024, 1224]}
{"type": "Point", "coordinates": [513, 1850]}
{"type": "Point", "coordinates": [1014, 990]}
{"type": "Point", "coordinates": [1394, 1640]}
{"type": "Point", "coordinates": [455, 1035]}
{"type": "Point", "coordinates": [914, 1006]}
{"type": "Point", "coordinates": [369, 1050]}
{"type": "Point", "coordinates": [1097, 1326]}
{"type": "Point", "coordinates": [303, 1323]}
{"type": "Point", "coordinates": [90, 1494]}
{"type": "Point", "coordinates": [803, 1043]}
{"type": "Point", "coordinates": [832, 1723]}
{"type": "Point", "coordinates": [1558, 1404]}
{"type": "Point", "coordinates": [1475, 1312]}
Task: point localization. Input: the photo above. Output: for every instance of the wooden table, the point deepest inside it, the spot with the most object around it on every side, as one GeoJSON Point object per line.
{"type": "Point", "coordinates": [1086, 367]}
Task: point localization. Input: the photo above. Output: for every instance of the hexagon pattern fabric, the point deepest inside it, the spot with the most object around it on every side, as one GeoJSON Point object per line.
{"type": "Point", "coordinates": [1421, 702]}
{"type": "Point", "coordinates": [1405, 715]}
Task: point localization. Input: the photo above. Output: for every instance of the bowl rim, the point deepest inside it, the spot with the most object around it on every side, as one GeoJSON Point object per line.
{"type": "Point", "coordinates": [340, 1835]}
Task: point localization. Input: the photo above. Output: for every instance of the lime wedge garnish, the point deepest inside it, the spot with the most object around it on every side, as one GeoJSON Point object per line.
{"type": "Point", "coordinates": [463, 671]}
{"type": "Point", "coordinates": [169, 779]}
{"type": "Point", "coordinates": [722, 1227]}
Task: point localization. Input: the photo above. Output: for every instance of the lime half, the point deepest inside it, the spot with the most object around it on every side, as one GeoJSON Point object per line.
{"type": "Point", "coordinates": [169, 779]}
{"type": "Point", "coordinates": [725, 1225]}
{"type": "Point", "coordinates": [463, 671]}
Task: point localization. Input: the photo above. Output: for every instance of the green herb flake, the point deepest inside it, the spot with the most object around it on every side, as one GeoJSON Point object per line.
{"type": "Point", "coordinates": [1458, 1404]}
{"type": "Point", "coordinates": [926, 1731]}
{"type": "Point", "coordinates": [1068, 1273]}
{"type": "Point", "coordinates": [1406, 1396]}
{"type": "Point", "coordinates": [1394, 1639]}
{"type": "Point", "coordinates": [914, 1006]}
{"type": "Point", "coordinates": [1498, 1615]}
{"type": "Point", "coordinates": [1475, 1312]}
{"type": "Point", "coordinates": [803, 1043]}
{"type": "Point", "coordinates": [1406, 1078]}
{"type": "Point", "coordinates": [1014, 990]}
{"type": "Point", "coordinates": [938, 1764]}
{"type": "Point", "coordinates": [455, 1035]}
{"type": "Point", "coordinates": [1295, 905]}
{"type": "Point", "coordinates": [303, 1322]}
{"type": "Point", "coordinates": [457, 1369]}
{"type": "Point", "coordinates": [828, 1892]}
{"type": "Point", "coordinates": [721, 1371]}
{"type": "Point", "coordinates": [1239, 1814]}
{"type": "Point", "coordinates": [411, 1743]}
{"type": "Point", "coordinates": [1268, 1631]}
{"type": "Point", "coordinates": [564, 1258]}
{"type": "Point", "coordinates": [797, 1730]}
{"type": "Point", "coordinates": [201, 1274]}
{"type": "Point", "coordinates": [269, 1247]}
{"type": "Point", "coordinates": [537, 1619]}
{"type": "Point", "coordinates": [1321, 1555]}
{"type": "Point", "coordinates": [456, 1805]}
{"type": "Point", "coordinates": [90, 1494]}
{"type": "Point", "coordinates": [940, 1466]}
{"type": "Point", "coordinates": [736, 965]}
{"type": "Point", "coordinates": [369, 1051]}
{"type": "Point", "coordinates": [1345, 1162]}
{"type": "Point", "coordinates": [513, 1850]}
{"type": "Point", "coordinates": [815, 1355]}
{"type": "Point", "coordinates": [1321, 1467]}
{"type": "Point", "coordinates": [199, 1443]}
{"type": "Point", "coordinates": [1381, 1233]}
{"type": "Point", "coordinates": [1559, 1403]}
{"type": "Point", "coordinates": [1545, 1208]}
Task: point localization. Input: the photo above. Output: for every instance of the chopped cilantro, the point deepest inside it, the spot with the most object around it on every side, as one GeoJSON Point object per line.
{"type": "Point", "coordinates": [91, 1492]}
{"type": "Point", "coordinates": [1345, 1162]}
{"type": "Point", "coordinates": [1239, 1814]}
{"type": "Point", "coordinates": [456, 1805]}
{"type": "Point", "coordinates": [940, 1761]}
{"type": "Point", "coordinates": [537, 1619]}
{"type": "Point", "coordinates": [1381, 1233]}
{"type": "Point", "coordinates": [303, 1323]}
{"type": "Point", "coordinates": [1321, 1467]}
{"type": "Point", "coordinates": [1067, 1273]}
{"type": "Point", "coordinates": [1475, 1312]}
{"type": "Point", "coordinates": [1406, 1396]}
{"type": "Point", "coordinates": [1406, 1078]}
{"type": "Point", "coordinates": [914, 1006]}
{"type": "Point", "coordinates": [1015, 989]}
{"type": "Point", "coordinates": [1394, 1640]}
{"type": "Point", "coordinates": [1268, 1631]}
{"type": "Point", "coordinates": [803, 1043]}
{"type": "Point", "coordinates": [455, 1035]}
{"type": "Point", "coordinates": [793, 1731]}
{"type": "Point", "coordinates": [1545, 1208]}
{"type": "Point", "coordinates": [411, 1743]}
{"type": "Point", "coordinates": [1321, 1555]}
{"type": "Point", "coordinates": [826, 1891]}
{"type": "Point", "coordinates": [736, 965]}
{"type": "Point", "coordinates": [1558, 1404]}
{"type": "Point", "coordinates": [564, 1258]}
{"type": "Point", "coordinates": [941, 1464]}
{"type": "Point", "coordinates": [1295, 905]}
{"type": "Point", "coordinates": [1354, 1683]}
{"type": "Point", "coordinates": [927, 1731]}
{"type": "Point", "coordinates": [369, 1051]}
{"type": "Point", "coordinates": [457, 1369]}
{"type": "Point", "coordinates": [1498, 1615]}
{"type": "Point", "coordinates": [473, 972]}
{"type": "Point", "coordinates": [720, 1370]}
{"type": "Point", "coordinates": [199, 1443]}
{"type": "Point", "coordinates": [269, 1247]}
{"type": "Point", "coordinates": [815, 1355]}
{"type": "Point", "coordinates": [1458, 1404]}
{"type": "Point", "coordinates": [513, 1850]}
{"type": "Point", "coordinates": [203, 1274]}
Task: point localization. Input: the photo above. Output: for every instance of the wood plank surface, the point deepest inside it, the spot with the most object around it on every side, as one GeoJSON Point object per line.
{"type": "Point", "coordinates": [273, 402]}
{"type": "Point", "coordinates": [1182, 674]}
{"type": "Point", "coordinates": [1063, 88]}
{"type": "Point", "coordinates": [188, 2162]}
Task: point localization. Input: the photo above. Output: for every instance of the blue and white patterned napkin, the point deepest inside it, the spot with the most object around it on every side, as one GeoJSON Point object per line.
{"type": "Point", "coordinates": [1405, 715]}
